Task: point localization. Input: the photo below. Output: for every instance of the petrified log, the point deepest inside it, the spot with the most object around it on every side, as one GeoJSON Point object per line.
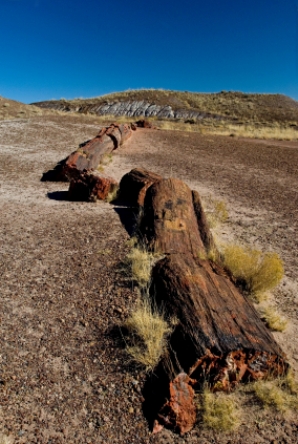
{"type": "Point", "coordinates": [89, 156]}
{"type": "Point", "coordinates": [90, 186]}
{"type": "Point", "coordinates": [169, 223]}
{"type": "Point", "coordinates": [142, 123]}
{"type": "Point", "coordinates": [133, 185]}
{"type": "Point", "coordinates": [219, 336]}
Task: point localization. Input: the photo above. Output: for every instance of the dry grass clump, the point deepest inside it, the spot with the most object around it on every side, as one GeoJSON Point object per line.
{"type": "Point", "coordinates": [113, 194]}
{"type": "Point", "coordinates": [149, 331]}
{"type": "Point", "coordinates": [141, 263]}
{"type": "Point", "coordinates": [260, 271]}
{"type": "Point", "coordinates": [219, 411]}
{"type": "Point", "coordinates": [280, 394]}
{"type": "Point", "coordinates": [4, 439]}
{"type": "Point", "coordinates": [273, 319]}
{"type": "Point", "coordinates": [216, 212]}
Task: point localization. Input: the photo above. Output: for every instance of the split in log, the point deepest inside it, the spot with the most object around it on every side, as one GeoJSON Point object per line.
{"type": "Point", "coordinates": [169, 223]}
{"type": "Point", "coordinates": [133, 185]}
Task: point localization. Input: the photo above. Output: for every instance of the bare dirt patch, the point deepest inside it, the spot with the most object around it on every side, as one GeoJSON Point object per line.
{"type": "Point", "coordinates": [64, 377]}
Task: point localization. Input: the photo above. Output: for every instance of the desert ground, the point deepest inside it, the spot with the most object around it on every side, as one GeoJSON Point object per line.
{"type": "Point", "coordinates": [64, 376]}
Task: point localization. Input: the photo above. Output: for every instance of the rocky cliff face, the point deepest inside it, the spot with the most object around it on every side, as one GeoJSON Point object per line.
{"type": "Point", "coordinates": [128, 108]}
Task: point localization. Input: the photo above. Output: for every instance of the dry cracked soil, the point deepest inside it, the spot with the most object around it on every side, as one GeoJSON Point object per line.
{"type": "Point", "coordinates": [64, 374]}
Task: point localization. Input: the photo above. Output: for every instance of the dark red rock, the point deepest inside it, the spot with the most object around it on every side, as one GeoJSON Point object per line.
{"type": "Point", "coordinates": [144, 124]}
{"type": "Point", "coordinates": [179, 413]}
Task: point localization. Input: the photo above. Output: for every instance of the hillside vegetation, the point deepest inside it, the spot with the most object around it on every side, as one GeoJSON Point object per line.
{"type": "Point", "coordinates": [11, 109]}
{"type": "Point", "coordinates": [227, 112]}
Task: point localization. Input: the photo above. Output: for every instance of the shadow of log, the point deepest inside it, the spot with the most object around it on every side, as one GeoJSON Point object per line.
{"type": "Point", "coordinates": [129, 218]}
{"type": "Point", "coordinates": [58, 195]}
{"type": "Point", "coordinates": [56, 174]}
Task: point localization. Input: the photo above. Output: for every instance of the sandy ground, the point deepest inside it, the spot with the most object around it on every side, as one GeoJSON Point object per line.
{"type": "Point", "coordinates": [64, 378]}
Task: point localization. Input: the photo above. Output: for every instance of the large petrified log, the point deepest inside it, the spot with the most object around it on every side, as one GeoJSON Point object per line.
{"type": "Point", "coordinates": [90, 154]}
{"type": "Point", "coordinates": [169, 224]}
{"type": "Point", "coordinates": [219, 337]}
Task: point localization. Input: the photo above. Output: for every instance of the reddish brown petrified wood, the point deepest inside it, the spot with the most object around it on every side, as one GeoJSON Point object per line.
{"type": "Point", "coordinates": [133, 185]}
{"type": "Point", "coordinates": [89, 156]}
{"type": "Point", "coordinates": [169, 223]}
{"type": "Point", "coordinates": [90, 186]}
{"type": "Point", "coordinates": [219, 336]}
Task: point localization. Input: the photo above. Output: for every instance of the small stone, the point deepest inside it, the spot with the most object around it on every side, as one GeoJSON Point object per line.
{"type": "Point", "coordinates": [131, 410]}
{"type": "Point", "coordinates": [118, 310]}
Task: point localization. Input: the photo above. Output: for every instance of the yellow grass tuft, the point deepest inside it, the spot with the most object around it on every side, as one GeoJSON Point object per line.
{"type": "Point", "coordinates": [273, 319]}
{"type": "Point", "coordinates": [4, 439]}
{"type": "Point", "coordinates": [216, 211]}
{"type": "Point", "coordinates": [149, 331]}
{"type": "Point", "coordinates": [260, 271]}
{"type": "Point", "coordinates": [290, 382]}
{"type": "Point", "coordinates": [113, 194]}
{"type": "Point", "coordinates": [219, 411]}
{"type": "Point", "coordinates": [141, 263]}
{"type": "Point", "coordinates": [280, 394]}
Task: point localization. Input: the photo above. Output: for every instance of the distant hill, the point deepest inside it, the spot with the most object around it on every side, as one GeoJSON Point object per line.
{"type": "Point", "coordinates": [228, 106]}
{"type": "Point", "coordinates": [11, 109]}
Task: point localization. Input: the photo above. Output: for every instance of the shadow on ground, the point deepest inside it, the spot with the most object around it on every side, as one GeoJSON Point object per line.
{"type": "Point", "coordinates": [58, 195]}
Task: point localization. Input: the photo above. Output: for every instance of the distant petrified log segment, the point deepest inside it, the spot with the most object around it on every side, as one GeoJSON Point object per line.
{"type": "Point", "coordinates": [133, 185]}
{"type": "Point", "coordinates": [169, 223]}
{"type": "Point", "coordinates": [89, 156]}
{"type": "Point", "coordinates": [144, 124]}
{"type": "Point", "coordinates": [90, 186]}
{"type": "Point", "coordinates": [220, 336]}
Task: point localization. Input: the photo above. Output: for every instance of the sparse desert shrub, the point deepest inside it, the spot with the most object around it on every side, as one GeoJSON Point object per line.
{"type": "Point", "coordinates": [273, 319]}
{"type": "Point", "coordinates": [219, 411]}
{"type": "Point", "coordinates": [260, 271]}
{"type": "Point", "coordinates": [140, 262]}
{"type": "Point", "coordinates": [149, 331]}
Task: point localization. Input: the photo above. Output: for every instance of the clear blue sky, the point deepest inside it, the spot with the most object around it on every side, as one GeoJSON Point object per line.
{"type": "Point", "coordinates": [85, 48]}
